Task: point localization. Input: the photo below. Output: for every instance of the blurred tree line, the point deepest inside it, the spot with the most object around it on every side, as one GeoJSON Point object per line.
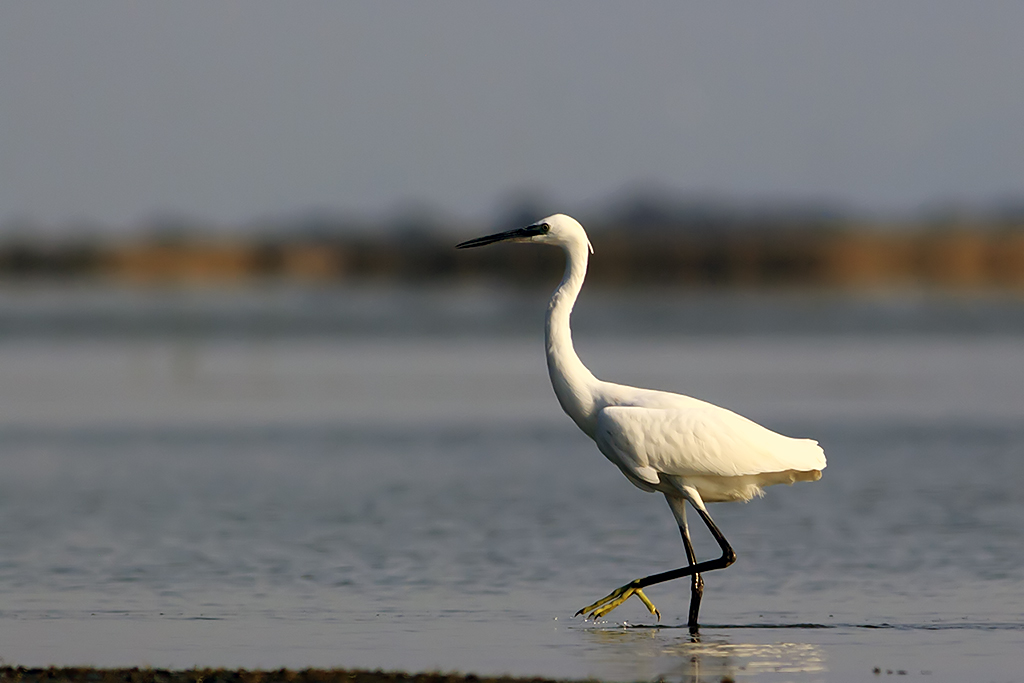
{"type": "Point", "coordinates": [643, 240]}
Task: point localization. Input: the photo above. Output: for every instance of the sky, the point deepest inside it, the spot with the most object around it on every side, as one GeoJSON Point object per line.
{"type": "Point", "coordinates": [112, 112]}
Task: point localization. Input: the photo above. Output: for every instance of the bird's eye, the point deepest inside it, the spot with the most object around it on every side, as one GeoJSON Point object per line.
{"type": "Point", "coordinates": [544, 227]}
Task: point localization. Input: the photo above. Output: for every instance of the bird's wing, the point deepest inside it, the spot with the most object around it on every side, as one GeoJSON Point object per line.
{"type": "Point", "coordinates": [617, 445]}
{"type": "Point", "coordinates": [698, 439]}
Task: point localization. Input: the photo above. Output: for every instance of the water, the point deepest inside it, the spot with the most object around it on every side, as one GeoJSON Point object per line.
{"type": "Point", "coordinates": [381, 478]}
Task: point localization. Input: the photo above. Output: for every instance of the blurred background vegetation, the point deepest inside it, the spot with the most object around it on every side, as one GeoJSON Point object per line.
{"type": "Point", "coordinates": [643, 240]}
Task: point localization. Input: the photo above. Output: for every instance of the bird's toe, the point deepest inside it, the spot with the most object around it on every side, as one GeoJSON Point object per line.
{"type": "Point", "coordinates": [618, 596]}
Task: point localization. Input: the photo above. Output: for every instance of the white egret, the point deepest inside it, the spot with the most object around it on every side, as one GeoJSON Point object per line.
{"type": "Point", "coordinates": [684, 448]}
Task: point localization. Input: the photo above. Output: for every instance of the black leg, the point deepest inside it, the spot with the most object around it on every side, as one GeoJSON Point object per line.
{"type": "Point", "coordinates": [619, 595]}
{"type": "Point", "coordinates": [727, 558]}
{"type": "Point", "coordinates": [696, 585]}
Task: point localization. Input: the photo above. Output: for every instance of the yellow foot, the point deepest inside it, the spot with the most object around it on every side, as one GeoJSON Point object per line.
{"type": "Point", "coordinates": [616, 598]}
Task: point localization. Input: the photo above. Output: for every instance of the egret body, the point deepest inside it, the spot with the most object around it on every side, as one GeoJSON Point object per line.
{"type": "Point", "coordinates": [686, 449]}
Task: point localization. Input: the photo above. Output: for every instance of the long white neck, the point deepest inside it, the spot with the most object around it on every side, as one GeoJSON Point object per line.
{"type": "Point", "coordinates": [574, 384]}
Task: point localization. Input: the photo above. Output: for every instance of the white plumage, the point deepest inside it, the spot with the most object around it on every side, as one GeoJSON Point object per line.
{"type": "Point", "coordinates": [724, 456]}
{"type": "Point", "coordinates": [683, 447]}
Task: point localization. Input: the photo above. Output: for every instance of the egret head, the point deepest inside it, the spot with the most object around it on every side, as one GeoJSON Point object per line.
{"type": "Point", "coordinates": [558, 229]}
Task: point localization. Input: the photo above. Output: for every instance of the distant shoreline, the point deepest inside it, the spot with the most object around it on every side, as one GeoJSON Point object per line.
{"type": "Point", "coordinates": [147, 675]}
{"type": "Point", "coordinates": [967, 256]}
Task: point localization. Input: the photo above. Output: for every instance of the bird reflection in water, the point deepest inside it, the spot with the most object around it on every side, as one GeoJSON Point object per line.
{"type": "Point", "coordinates": [654, 654]}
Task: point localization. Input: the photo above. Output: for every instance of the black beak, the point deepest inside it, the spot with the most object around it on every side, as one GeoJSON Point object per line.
{"type": "Point", "coordinates": [518, 233]}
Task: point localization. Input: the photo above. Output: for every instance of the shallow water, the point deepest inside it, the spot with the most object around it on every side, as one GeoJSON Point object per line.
{"type": "Point", "coordinates": [382, 478]}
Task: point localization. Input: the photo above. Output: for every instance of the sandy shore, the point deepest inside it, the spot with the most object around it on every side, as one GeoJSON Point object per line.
{"type": "Point", "coordinates": [137, 675]}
